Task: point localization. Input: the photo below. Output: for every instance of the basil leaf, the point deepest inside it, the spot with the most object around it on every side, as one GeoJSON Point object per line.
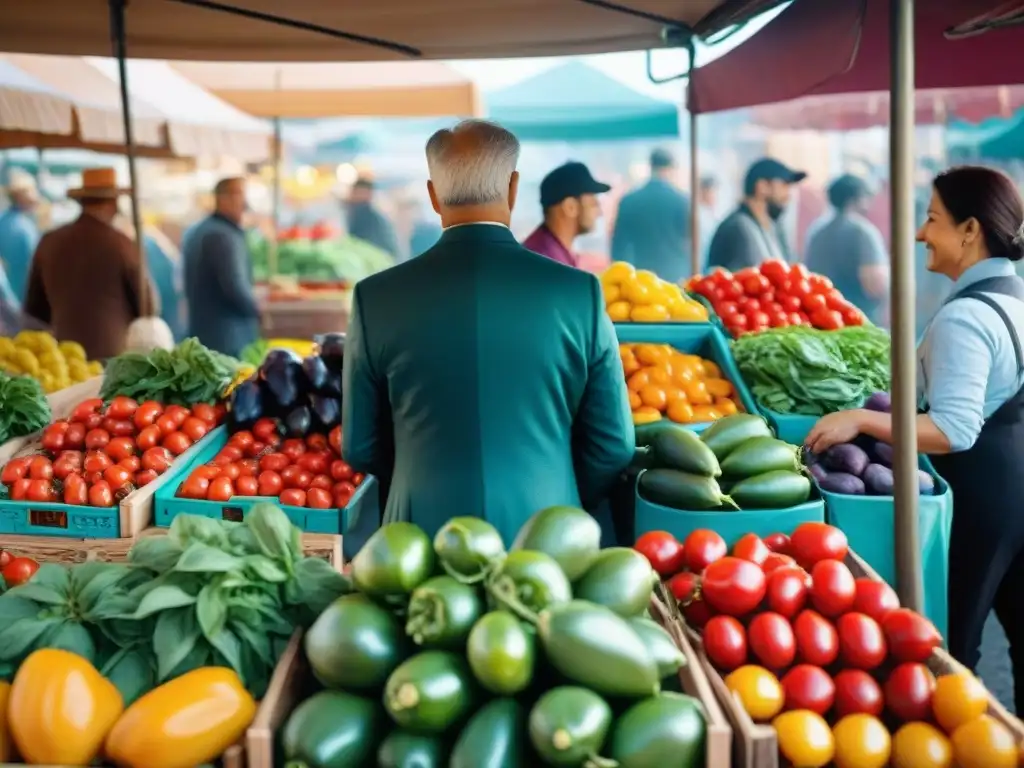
{"type": "Point", "coordinates": [40, 593]}
{"type": "Point", "coordinates": [88, 584]}
{"type": "Point", "coordinates": [188, 529]}
{"type": "Point", "coordinates": [163, 598]}
{"type": "Point", "coordinates": [211, 611]}
{"type": "Point", "coordinates": [14, 609]}
{"type": "Point", "coordinates": [202, 558]}
{"type": "Point", "coordinates": [131, 672]}
{"type": "Point", "coordinates": [155, 553]}
{"type": "Point", "coordinates": [273, 531]}
{"type": "Point", "coordinates": [318, 585]}
{"type": "Point", "coordinates": [73, 637]}
{"type": "Point", "coordinates": [257, 642]}
{"type": "Point", "coordinates": [242, 541]}
{"type": "Point", "coordinates": [16, 640]}
{"type": "Point", "coordinates": [265, 569]}
{"type": "Point", "coordinates": [174, 637]}
{"type": "Point", "coordinates": [49, 585]}
{"type": "Point", "coordinates": [228, 646]}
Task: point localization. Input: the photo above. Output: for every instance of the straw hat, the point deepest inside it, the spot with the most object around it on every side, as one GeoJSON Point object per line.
{"type": "Point", "coordinates": [98, 183]}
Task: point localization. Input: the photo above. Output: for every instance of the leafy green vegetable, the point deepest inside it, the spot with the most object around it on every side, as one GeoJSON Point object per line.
{"type": "Point", "coordinates": [188, 374]}
{"type": "Point", "coordinates": [24, 408]}
{"type": "Point", "coordinates": [800, 370]}
{"type": "Point", "coordinates": [254, 353]}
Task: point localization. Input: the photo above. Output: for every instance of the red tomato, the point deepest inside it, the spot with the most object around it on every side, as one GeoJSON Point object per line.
{"type": "Point", "coordinates": [703, 547]}
{"type": "Point", "coordinates": [257, 449]}
{"type": "Point", "coordinates": [249, 467]}
{"type": "Point", "coordinates": [53, 436]}
{"type": "Point", "coordinates": [122, 408]}
{"type": "Point", "coordinates": [318, 442]}
{"type": "Point", "coordinates": [274, 462]}
{"type": "Point", "coordinates": [340, 470]}
{"type": "Point", "coordinates": [19, 489]}
{"type": "Point", "coordinates": [833, 589]}
{"type": "Point", "coordinates": [96, 439]}
{"type": "Point", "coordinates": [95, 421]}
{"type": "Point", "coordinates": [42, 490]}
{"type": "Point", "coordinates": [852, 316]}
{"type": "Point", "coordinates": [750, 547]}
{"type": "Point", "coordinates": [910, 635]}
{"type": "Point", "coordinates": [205, 413]}
{"type": "Point", "coordinates": [748, 304]}
{"type": "Point", "coordinates": [820, 283]}
{"type": "Point", "coordinates": [777, 542]}
{"type": "Point", "coordinates": [157, 459]}
{"type": "Point", "coordinates": [334, 438]}
{"type": "Point", "coordinates": [145, 477]}
{"type": "Point", "coordinates": [195, 428]}
{"type": "Point", "coordinates": [725, 642]}
{"type": "Point", "coordinates": [5, 558]}
{"type": "Point", "coordinates": [827, 319]}
{"type": "Point", "coordinates": [117, 476]}
{"type": "Point", "coordinates": [908, 692]}
{"type": "Point", "coordinates": [814, 302]}
{"type": "Point", "coordinates": [758, 319]}
{"type": "Point", "coordinates": [101, 494]}
{"type": "Point", "coordinates": [66, 464]}
{"type": "Point", "coordinates": [816, 640]}
{"type": "Point", "coordinates": [242, 439]}
{"type": "Point", "coordinates": [147, 414]}
{"type": "Point", "coordinates": [19, 570]}
{"type": "Point", "coordinates": [808, 687]}
{"type": "Point", "coordinates": [167, 424]}
{"type": "Point", "coordinates": [861, 642]}
{"type": "Point", "coordinates": [15, 469]}
{"type": "Point", "coordinates": [730, 289]}
{"type": "Point", "coordinates": [86, 408]}
{"type": "Point", "coordinates": [811, 542]}
{"type": "Point", "coordinates": [341, 497]}
{"type": "Point", "coordinates": [296, 477]}
{"type": "Point", "coordinates": [246, 485]}
{"type": "Point", "coordinates": [357, 479]}
{"type": "Point", "coordinates": [778, 319]}
{"type": "Point", "coordinates": [266, 428]}
{"type": "Point", "coordinates": [209, 471]}
{"type": "Point", "coordinates": [293, 497]}
{"type": "Point", "coordinates": [322, 481]}
{"type": "Point", "coordinates": [179, 413]}
{"type": "Point", "coordinates": [665, 554]}
{"type": "Point", "coordinates": [293, 448]}
{"type": "Point", "coordinates": [96, 461]}
{"type": "Point", "coordinates": [795, 318]}
{"type": "Point", "coordinates": [755, 284]}
{"type": "Point", "coordinates": [790, 303]}
{"type": "Point", "coordinates": [738, 323]}
{"type": "Point", "coordinates": [319, 498]}
{"type": "Point", "coordinates": [118, 427]}
{"type": "Point", "coordinates": [787, 591]}
{"type": "Point", "coordinates": [875, 598]}
{"type": "Point", "coordinates": [74, 438]}
{"type": "Point", "coordinates": [313, 461]}
{"type": "Point", "coordinates": [732, 586]}
{"type": "Point", "coordinates": [683, 586]}
{"type": "Point", "coordinates": [120, 448]}
{"type": "Point", "coordinates": [194, 487]}
{"type": "Point", "coordinates": [177, 443]}
{"type": "Point", "coordinates": [771, 640]}
{"type": "Point", "coordinates": [270, 483]}
{"type": "Point", "coordinates": [132, 463]}
{"type": "Point", "coordinates": [76, 490]}
{"type": "Point", "coordinates": [775, 270]}
{"type": "Point", "coordinates": [221, 489]}
{"type": "Point", "coordinates": [231, 453]}
{"type": "Point", "coordinates": [40, 468]}
{"type": "Point", "coordinates": [149, 437]}
{"type": "Point", "coordinates": [775, 560]}
{"type": "Point", "coordinates": [232, 471]}
{"type": "Point", "coordinates": [857, 693]}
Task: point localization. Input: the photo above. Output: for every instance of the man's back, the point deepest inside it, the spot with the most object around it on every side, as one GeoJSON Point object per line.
{"type": "Point", "coordinates": [487, 364]}
{"type": "Point", "coordinates": [652, 230]}
{"type": "Point", "coordinates": [367, 223]}
{"type": "Point", "coordinates": [839, 249]}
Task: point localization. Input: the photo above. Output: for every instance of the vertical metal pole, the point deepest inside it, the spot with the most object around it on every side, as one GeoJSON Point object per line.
{"type": "Point", "coordinates": [117, 33]}
{"type": "Point", "coordinates": [904, 366]}
{"type": "Point", "coordinates": [695, 233]}
{"type": "Point", "coordinates": [276, 203]}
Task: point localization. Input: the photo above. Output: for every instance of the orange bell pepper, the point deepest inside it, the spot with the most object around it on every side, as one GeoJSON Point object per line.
{"type": "Point", "coordinates": [6, 743]}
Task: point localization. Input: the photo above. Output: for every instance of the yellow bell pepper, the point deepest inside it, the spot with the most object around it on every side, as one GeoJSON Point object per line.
{"type": "Point", "coordinates": [61, 709]}
{"type": "Point", "coordinates": [6, 743]}
{"type": "Point", "coordinates": [186, 722]}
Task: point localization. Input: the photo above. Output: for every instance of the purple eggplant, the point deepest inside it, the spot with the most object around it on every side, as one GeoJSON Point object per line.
{"type": "Point", "coordinates": [883, 452]}
{"type": "Point", "coordinates": [925, 483]}
{"type": "Point", "coordinates": [326, 412]}
{"type": "Point", "coordinates": [842, 482]}
{"type": "Point", "coordinates": [280, 376]}
{"type": "Point", "coordinates": [332, 349]}
{"type": "Point", "coordinates": [817, 471]}
{"type": "Point", "coordinates": [846, 457]}
{"type": "Point", "coordinates": [245, 405]}
{"type": "Point", "coordinates": [878, 480]}
{"type": "Point", "coordinates": [298, 421]}
{"type": "Point", "coordinates": [315, 371]}
{"type": "Point", "coordinates": [880, 401]}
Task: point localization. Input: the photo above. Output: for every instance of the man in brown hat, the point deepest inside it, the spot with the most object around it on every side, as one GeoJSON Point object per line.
{"type": "Point", "coordinates": [84, 279]}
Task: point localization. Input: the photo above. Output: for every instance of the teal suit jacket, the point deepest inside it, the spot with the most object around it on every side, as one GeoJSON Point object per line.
{"type": "Point", "coordinates": [483, 379]}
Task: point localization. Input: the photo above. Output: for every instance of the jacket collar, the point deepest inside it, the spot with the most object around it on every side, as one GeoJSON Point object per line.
{"type": "Point", "coordinates": [490, 232]}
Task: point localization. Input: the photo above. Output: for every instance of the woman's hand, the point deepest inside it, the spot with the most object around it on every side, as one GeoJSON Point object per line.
{"type": "Point", "coordinates": [833, 429]}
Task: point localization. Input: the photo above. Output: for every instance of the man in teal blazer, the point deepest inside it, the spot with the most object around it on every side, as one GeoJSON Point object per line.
{"type": "Point", "coordinates": [481, 378]}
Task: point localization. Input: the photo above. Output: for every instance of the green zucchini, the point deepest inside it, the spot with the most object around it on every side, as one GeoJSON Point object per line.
{"type": "Point", "coordinates": [681, 490]}
{"type": "Point", "coordinates": [772, 490]}
{"type": "Point", "coordinates": [593, 646]}
{"type": "Point", "coordinates": [667, 657]}
{"type": "Point", "coordinates": [441, 612]}
{"type": "Point", "coordinates": [760, 455]}
{"type": "Point", "coordinates": [646, 433]}
{"type": "Point", "coordinates": [569, 725]}
{"type": "Point", "coordinates": [495, 737]}
{"type": "Point", "coordinates": [667, 730]}
{"type": "Point", "coordinates": [621, 579]}
{"type": "Point", "coordinates": [501, 653]}
{"type": "Point", "coordinates": [537, 579]}
{"type": "Point", "coordinates": [468, 546]}
{"type": "Point", "coordinates": [430, 692]}
{"type": "Point", "coordinates": [681, 449]}
{"type": "Point", "coordinates": [569, 535]}
{"type": "Point", "coordinates": [332, 729]}
{"type": "Point", "coordinates": [729, 433]}
{"type": "Point", "coordinates": [355, 644]}
{"type": "Point", "coordinates": [395, 560]}
{"type": "Point", "coordinates": [404, 749]}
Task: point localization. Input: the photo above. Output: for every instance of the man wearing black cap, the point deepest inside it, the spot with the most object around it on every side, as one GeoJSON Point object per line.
{"type": "Point", "coordinates": [568, 196]}
{"type": "Point", "coordinates": [751, 233]}
{"type": "Point", "coordinates": [652, 228]}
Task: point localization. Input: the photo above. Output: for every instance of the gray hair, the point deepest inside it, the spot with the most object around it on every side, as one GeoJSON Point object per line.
{"type": "Point", "coordinates": [472, 163]}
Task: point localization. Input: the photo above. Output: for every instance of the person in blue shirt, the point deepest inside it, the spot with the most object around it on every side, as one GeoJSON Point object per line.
{"type": "Point", "coordinates": [19, 234]}
{"type": "Point", "coordinates": [971, 385]}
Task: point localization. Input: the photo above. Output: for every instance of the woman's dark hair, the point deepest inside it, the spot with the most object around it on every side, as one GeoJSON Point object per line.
{"type": "Point", "coordinates": [989, 196]}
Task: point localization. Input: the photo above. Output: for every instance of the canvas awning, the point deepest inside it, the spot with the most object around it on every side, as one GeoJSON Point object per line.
{"type": "Point", "coordinates": [29, 106]}
{"type": "Point", "coordinates": [300, 90]}
{"type": "Point", "coordinates": [377, 29]}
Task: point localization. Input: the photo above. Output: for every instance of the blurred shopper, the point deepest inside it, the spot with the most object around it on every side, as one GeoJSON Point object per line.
{"type": "Point", "coordinates": [84, 282]}
{"type": "Point", "coordinates": [19, 233]}
{"type": "Point", "coordinates": [568, 197]}
{"type": "Point", "coordinates": [707, 213]}
{"type": "Point", "coordinates": [223, 311]}
{"type": "Point", "coordinates": [367, 223]}
{"type": "Point", "coordinates": [164, 265]}
{"type": "Point", "coordinates": [751, 234]}
{"type": "Point", "coordinates": [481, 371]}
{"type": "Point", "coordinates": [652, 228]}
{"type": "Point", "coordinates": [423, 234]}
{"type": "Point", "coordinates": [849, 250]}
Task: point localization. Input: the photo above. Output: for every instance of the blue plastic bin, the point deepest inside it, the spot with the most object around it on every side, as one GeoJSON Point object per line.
{"type": "Point", "coordinates": [868, 522]}
{"type": "Point", "coordinates": [167, 505]}
{"type": "Point", "coordinates": [793, 428]}
{"type": "Point", "coordinates": [702, 339]}
{"type": "Point", "coordinates": [30, 518]}
{"type": "Point", "coordinates": [729, 525]}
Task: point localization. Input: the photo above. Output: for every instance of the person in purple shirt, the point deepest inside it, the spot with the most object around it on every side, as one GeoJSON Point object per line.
{"type": "Point", "coordinates": [568, 196]}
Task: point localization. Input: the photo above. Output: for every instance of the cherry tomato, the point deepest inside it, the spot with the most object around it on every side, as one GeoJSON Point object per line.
{"type": "Point", "coordinates": [771, 640]}
{"type": "Point", "coordinates": [875, 598]}
{"type": "Point", "coordinates": [242, 439]}
{"type": "Point", "coordinates": [322, 481]}
{"type": "Point", "coordinates": [196, 429]}
{"type": "Point", "coordinates": [221, 489]}
{"type": "Point", "coordinates": [149, 437]}
{"type": "Point", "coordinates": [118, 427]}
{"type": "Point", "coordinates": [821, 284]}
{"type": "Point", "coordinates": [861, 642]}
{"type": "Point", "coordinates": [145, 477]}
{"type": "Point", "coordinates": [96, 439]}
{"type": "Point", "coordinates": [40, 468]}
{"type": "Point", "coordinates": [703, 547]}
{"type": "Point", "coordinates": [246, 485]}
{"type": "Point", "coordinates": [725, 642]}
{"type": "Point", "coordinates": [908, 692]}
{"type": "Point", "coordinates": [334, 438]}
{"type": "Point", "coordinates": [96, 461]}
{"type": "Point", "coordinates": [313, 461]}
{"type": "Point", "coordinates": [231, 452]}
{"type": "Point", "coordinates": [747, 305]}
{"type": "Point", "coordinates": [194, 487]}
{"type": "Point", "coordinates": [787, 591]}
{"type": "Point", "coordinates": [910, 635]}
{"type": "Point", "coordinates": [157, 459]}
{"type": "Point", "coordinates": [5, 558]}
{"type": "Point", "coordinates": [232, 471]}
{"type": "Point", "coordinates": [814, 302]}
{"type": "Point", "coordinates": [755, 284]}
{"type": "Point", "coordinates": [274, 462]}
{"type": "Point", "coordinates": [95, 421]}
{"type": "Point", "coordinates": [15, 469]}
{"type": "Point", "coordinates": [833, 589]}
{"type": "Point", "coordinates": [177, 443]}
{"type": "Point", "coordinates": [775, 560]}
{"type": "Point", "coordinates": [790, 303]}
{"type": "Point", "coordinates": [296, 477]}
{"type": "Point", "coordinates": [340, 470]}
{"type": "Point", "coordinates": [209, 471]}
{"type": "Point", "coordinates": [74, 438]}
{"type": "Point", "coordinates": [257, 449]}
{"type": "Point", "coordinates": [167, 424]}
{"type": "Point", "coordinates": [19, 570]}
{"type": "Point", "coordinates": [817, 642]}
{"type": "Point", "coordinates": [341, 498]}
{"type": "Point", "coordinates": [293, 497]}
{"type": "Point", "coordinates": [53, 436]}
{"type": "Point", "coordinates": [266, 429]}
{"type": "Point", "coordinates": [86, 408]}
{"type": "Point", "coordinates": [66, 464]}
{"type": "Point", "coordinates": [206, 413]}
{"type": "Point", "coordinates": [827, 319]}
{"type": "Point", "coordinates": [852, 316]}
{"type": "Point", "coordinates": [812, 542]}
{"type": "Point", "coordinates": [177, 412]}
{"type": "Point", "coordinates": [132, 463]}
{"type": "Point", "coordinates": [662, 550]}
{"type": "Point", "coordinates": [120, 448]}
{"type": "Point", "coordinates": [101, 494]}
{"type": "Point", "coordinates": [857, 693]}
{"type": "Point", "coordinates": [293, 448]}
{"type": "Point", "coordinates": [147, 414]}
{"type": "Point", "coordinates": [270, 483]}
{"type": "Point", "coordinates": [117, 476]}
{"type": "Point", "coordinates": [42, 490]}
{"type": "Point", "coordinates": [357, 479]}
{"type": "Point", "coordinates": [121, 408]}
{"type": "Point", "coordinates": [808, 687]}
{"type": "Point", "coordinates": [750, 547]}
{"type": "Point", "coordinates": [775, 270]}
{"type": "Point", "coordinates": [732, 586]}
{"type": "Point", "coordinates": [219, 412]}
{"type": "Point", "coordinates": [76, 490]}
{"type": "Point", "coordinates": [249, 467]}
{"type": "Point", "coordinates": [19, 489]}
{"type": "Point", "coordinates": [319, 498]}
{"type": "Point", "coordinates": [318, 442]}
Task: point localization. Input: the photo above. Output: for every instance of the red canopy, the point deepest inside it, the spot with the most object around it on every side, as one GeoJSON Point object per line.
{"type": "Point", "coordinates": [842, 46]}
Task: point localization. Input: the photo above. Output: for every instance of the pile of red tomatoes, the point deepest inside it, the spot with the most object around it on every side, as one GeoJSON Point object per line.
{"type": "Point", "coordinates": [103, 452]}
{"type": "Point", "coordinates": [775, 295]}
{"type": "Point", "coordinates": [842, 672]}
{"type": "Point", "coordinates": [298, 472]}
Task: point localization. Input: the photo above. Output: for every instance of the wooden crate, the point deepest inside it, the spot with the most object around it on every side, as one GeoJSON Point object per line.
{"type": "Point", "coordinates": [288, 686]}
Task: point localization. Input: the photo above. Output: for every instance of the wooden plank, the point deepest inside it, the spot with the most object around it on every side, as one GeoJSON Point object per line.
{"type": "Point", "coordinates": [289, 681]}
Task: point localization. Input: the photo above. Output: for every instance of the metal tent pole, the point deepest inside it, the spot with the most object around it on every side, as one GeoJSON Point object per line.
{"type": "Point", "coordinates": [695, 233]}
{"type": "Point", "coordinates": [904, 366]}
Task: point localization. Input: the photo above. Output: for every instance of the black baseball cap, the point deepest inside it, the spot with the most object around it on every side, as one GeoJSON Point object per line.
{"type": "Point", "coordinates": [569, 180]}
{"type": "Point", "coordinates": [769, 169]}
{"type": "Point", "coordinates": [846, 189]}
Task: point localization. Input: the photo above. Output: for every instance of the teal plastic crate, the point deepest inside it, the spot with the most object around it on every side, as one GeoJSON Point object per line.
{"type": "Point", "coordinates": [729, 525]}
{"type": "Point", "coordinates": [793, 428]}
{"type": "Point", "coordinates": [30, 518]}
{"type": "Point", "coordinates": [168, 505]}
{"type": "Point", "coordinates": [702, 339]}
{"type": "Point", "coordinates": [869, 521]}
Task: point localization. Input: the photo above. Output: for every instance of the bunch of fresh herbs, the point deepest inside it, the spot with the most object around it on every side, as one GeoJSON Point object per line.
{"type": "Point", "coordinates": [188, 374]}
{"type": "Point", "coordinates": [24, 408]}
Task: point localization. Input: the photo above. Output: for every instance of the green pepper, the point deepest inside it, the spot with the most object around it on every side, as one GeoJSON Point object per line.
{"type": "Point", "coordinates": [663, 730]}
{"type": "Point", "coordinates": [430, 692]}
{"type": "Point", "coordinates": [662, 648]}
{"type": "Point", "coordinates": [332, 729]}
{"type": "Point", "coordinates": [442, 611]}
{"type": "Point", "coordinates": [620, 578]}
{"type": "Point", "coordinates": [403, 749]}
{"type": "Point", "coordinates": [535, 579]}
{"type": "Point", "coordinates": [468, 547]}
{"type": "Point", "coordinates": [495, 737]}
{"type": "Point", "coordinates": [568, 726]}
{"type": "Point", "coordinates": [395, 560]}
{"type": "Point", "coordinates": [501, 653]}
{"type": "Point", "coordinates": [569, 535]}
